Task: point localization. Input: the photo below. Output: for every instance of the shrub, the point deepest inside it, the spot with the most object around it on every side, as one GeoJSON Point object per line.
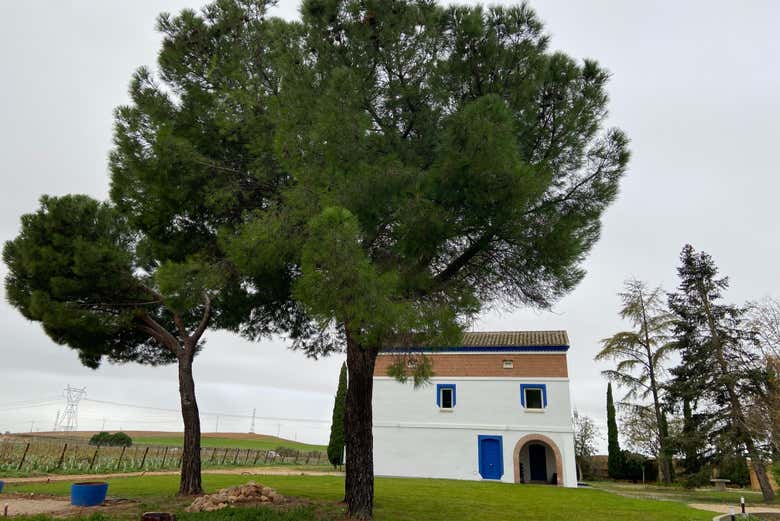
{"type": "Point", "coordinates": [119, 439]}
{"type": "Point", "coordinates": [100, 439]}
{"type": "Point", "coordinates": [736, 470]}
{"type": "Point", "coordinates": [632, 465]}
{"type": "Point", "coordinates": [698, 479]}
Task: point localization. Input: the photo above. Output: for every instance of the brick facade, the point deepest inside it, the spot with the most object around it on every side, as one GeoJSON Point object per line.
{"type": "Point", "coordinates": [525, 365]}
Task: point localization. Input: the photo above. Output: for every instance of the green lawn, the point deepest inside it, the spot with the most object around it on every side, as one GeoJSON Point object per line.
{"type": "Point", "coordinates": [417, 499]}
{"type": "Point", "coordinates": [270, 442]}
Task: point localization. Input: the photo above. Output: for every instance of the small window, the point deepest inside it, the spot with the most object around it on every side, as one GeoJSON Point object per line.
{"type": "Point", "coordinates": [533, 396]}
{"type": "Point", "coordinates": [445, 396]}
{"type": "Point", "coordinates": [533, 399]}
{"type": "Point", "coordinates": [508, 364]}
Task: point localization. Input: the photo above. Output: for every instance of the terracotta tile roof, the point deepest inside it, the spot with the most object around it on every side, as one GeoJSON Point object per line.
{"type": "Point", "coordinates": [515, 338]}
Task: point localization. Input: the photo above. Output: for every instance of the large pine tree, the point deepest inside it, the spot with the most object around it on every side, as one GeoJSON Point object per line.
{"type": "Point", "coordinates": [720, 370]}
{"type": "Point", "coordinates": [445, 159]}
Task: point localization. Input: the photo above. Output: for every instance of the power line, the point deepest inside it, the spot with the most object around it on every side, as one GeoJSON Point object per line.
{"type": "Point", "coordinates": [227, 415]}
{"type": "Point", "coordinates": [29, 406]}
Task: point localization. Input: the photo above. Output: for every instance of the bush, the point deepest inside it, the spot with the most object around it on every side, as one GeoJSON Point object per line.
{"type": "Point", "coordinates": [100, 439]}
{"type": "Point", "coordinates": [632, 465]}
{"type": "Point", "coordinates": [119, 439]}
{"type": "Point", "coordinates": [698, 479]}
{"type": "Point", "coordinates": [736, 470]}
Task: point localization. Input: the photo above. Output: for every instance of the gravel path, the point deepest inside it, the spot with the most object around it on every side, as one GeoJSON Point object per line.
{"type": "Point", "coordinates": [259, 471]}
{"type": "Point", "coordinates": [722, 508]}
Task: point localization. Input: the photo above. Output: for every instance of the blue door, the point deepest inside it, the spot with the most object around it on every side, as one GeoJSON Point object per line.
{"type": "Point", "coordinates": [491, 461]}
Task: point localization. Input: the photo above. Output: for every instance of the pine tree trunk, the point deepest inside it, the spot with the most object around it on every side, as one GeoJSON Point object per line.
{"type": "Point", "coordinates": [190, 483]}
{"type": "Point", "coordinates": [760, 469]}
{"type": "Point", "coordinates": [358, 426]}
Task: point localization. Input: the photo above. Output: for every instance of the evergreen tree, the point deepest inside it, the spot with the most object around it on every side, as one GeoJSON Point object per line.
{"type": "Point", "coordinates": [615, 455]}
{"type": "Point", "coordinates": [640, 354]}
{"type": "Point", "coordinates": [143, 277]}
{"type": "Point", "coordinates": [336, 443]}
{"type": "Point", "coordinates": [444, 160]}
{"type": "Point", "coordinates": [721, 370]}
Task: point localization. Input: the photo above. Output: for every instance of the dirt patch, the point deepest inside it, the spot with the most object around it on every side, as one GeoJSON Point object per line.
{"type": "Point", "coordinates": [31, 504]}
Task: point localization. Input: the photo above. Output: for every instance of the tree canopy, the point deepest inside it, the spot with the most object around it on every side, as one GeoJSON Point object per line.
{"type": "Point", "coordinates": [442, 160]}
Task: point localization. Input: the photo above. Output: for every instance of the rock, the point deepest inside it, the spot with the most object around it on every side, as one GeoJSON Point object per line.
{"type": "Point", "coordinates": [249, 492]}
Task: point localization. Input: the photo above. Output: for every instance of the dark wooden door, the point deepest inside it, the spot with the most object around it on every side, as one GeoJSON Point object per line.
{"type": "Point", "coordinates": [537, 456]}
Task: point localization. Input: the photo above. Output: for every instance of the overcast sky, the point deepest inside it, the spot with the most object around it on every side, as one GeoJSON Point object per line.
{"type": "Point", "coordinates": [694, 85]}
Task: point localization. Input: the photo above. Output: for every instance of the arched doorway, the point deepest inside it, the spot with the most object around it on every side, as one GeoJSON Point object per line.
{"type": "Point", "coordinates": [537, 459]}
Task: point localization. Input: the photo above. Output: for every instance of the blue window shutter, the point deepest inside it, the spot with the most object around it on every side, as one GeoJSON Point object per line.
{"type": "Point", "coordinates": [543, 388]}
{"type": "Point", "coordinates": [439, 387]}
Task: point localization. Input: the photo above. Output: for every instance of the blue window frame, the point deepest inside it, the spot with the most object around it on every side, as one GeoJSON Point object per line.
{"type": "Point", "coordinates": [541, 387]}
{"type": "Point", "coordinates": [491, 456]}
{"type": "Point", "coordinates": [443, 404]}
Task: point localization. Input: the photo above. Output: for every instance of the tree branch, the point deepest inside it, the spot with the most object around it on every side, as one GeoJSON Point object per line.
{"type": "Point", "coordinates": [463, 259]}
{"type": "Point", "coordinates": [204, 321]}
{"type": "Point", "coordinates": [151, 327]}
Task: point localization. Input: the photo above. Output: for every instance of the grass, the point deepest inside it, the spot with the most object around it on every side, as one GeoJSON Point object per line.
{"type": "Point", "coordinates": [410, 499]}
{"type": "Point", "coordinates": [259, 443]}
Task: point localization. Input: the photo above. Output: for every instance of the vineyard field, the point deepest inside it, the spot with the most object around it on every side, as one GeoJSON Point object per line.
{"type": "Point", "coordinates": [35, 455]}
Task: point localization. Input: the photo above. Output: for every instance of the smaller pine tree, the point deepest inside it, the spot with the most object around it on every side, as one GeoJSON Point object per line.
{"type": "Point", "coordinates": [615, 456]}
{"type": "Point", "coordinates": [336, 443]}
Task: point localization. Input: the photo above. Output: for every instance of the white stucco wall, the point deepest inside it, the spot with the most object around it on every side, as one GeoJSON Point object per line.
{"type": "Point", "coordinates": [413, 437]}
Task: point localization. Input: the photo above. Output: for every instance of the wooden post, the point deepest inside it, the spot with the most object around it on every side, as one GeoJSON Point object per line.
{"type": "Point", "coordinates": [297, 454]}
{"type": "Point", "coordinates": [165, 455]}
{"type": "Point", "coordinates": [62, 456]}
{"type": "Point", "coordinates": [143, 460]}
{"type": "Point", "coordinates": [94, 457]}
{"type": "Point", "coordinates": [121, 455]}
{"type": "Point", "coordinates": [224, 457]}
{"type": "Point", "coordinates": [257, 455]}
{"type": "Point", "coordinates": [21, 462]}
{"type": "Point", "coordinates": [213, 453]}
{"type": "Point", "coordinates": [235, 457]}
{"type": "Point", "coordinates": [266, 457]}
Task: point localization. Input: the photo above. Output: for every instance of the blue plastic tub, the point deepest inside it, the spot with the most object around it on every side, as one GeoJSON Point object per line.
{"type": "Point", "coordinates": [1, 485]}
{"type": "Point", "coordinates": [88, 494]}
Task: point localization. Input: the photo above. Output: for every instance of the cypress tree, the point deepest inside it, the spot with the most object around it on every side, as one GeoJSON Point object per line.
{"type": "Point", "coordinates": [336, 443]}
{"type": "Point", "coordinates": [615, 461]}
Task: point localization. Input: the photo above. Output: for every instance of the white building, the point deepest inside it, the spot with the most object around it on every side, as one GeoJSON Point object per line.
{"type": "Point", "coordinates": [498, 408]}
